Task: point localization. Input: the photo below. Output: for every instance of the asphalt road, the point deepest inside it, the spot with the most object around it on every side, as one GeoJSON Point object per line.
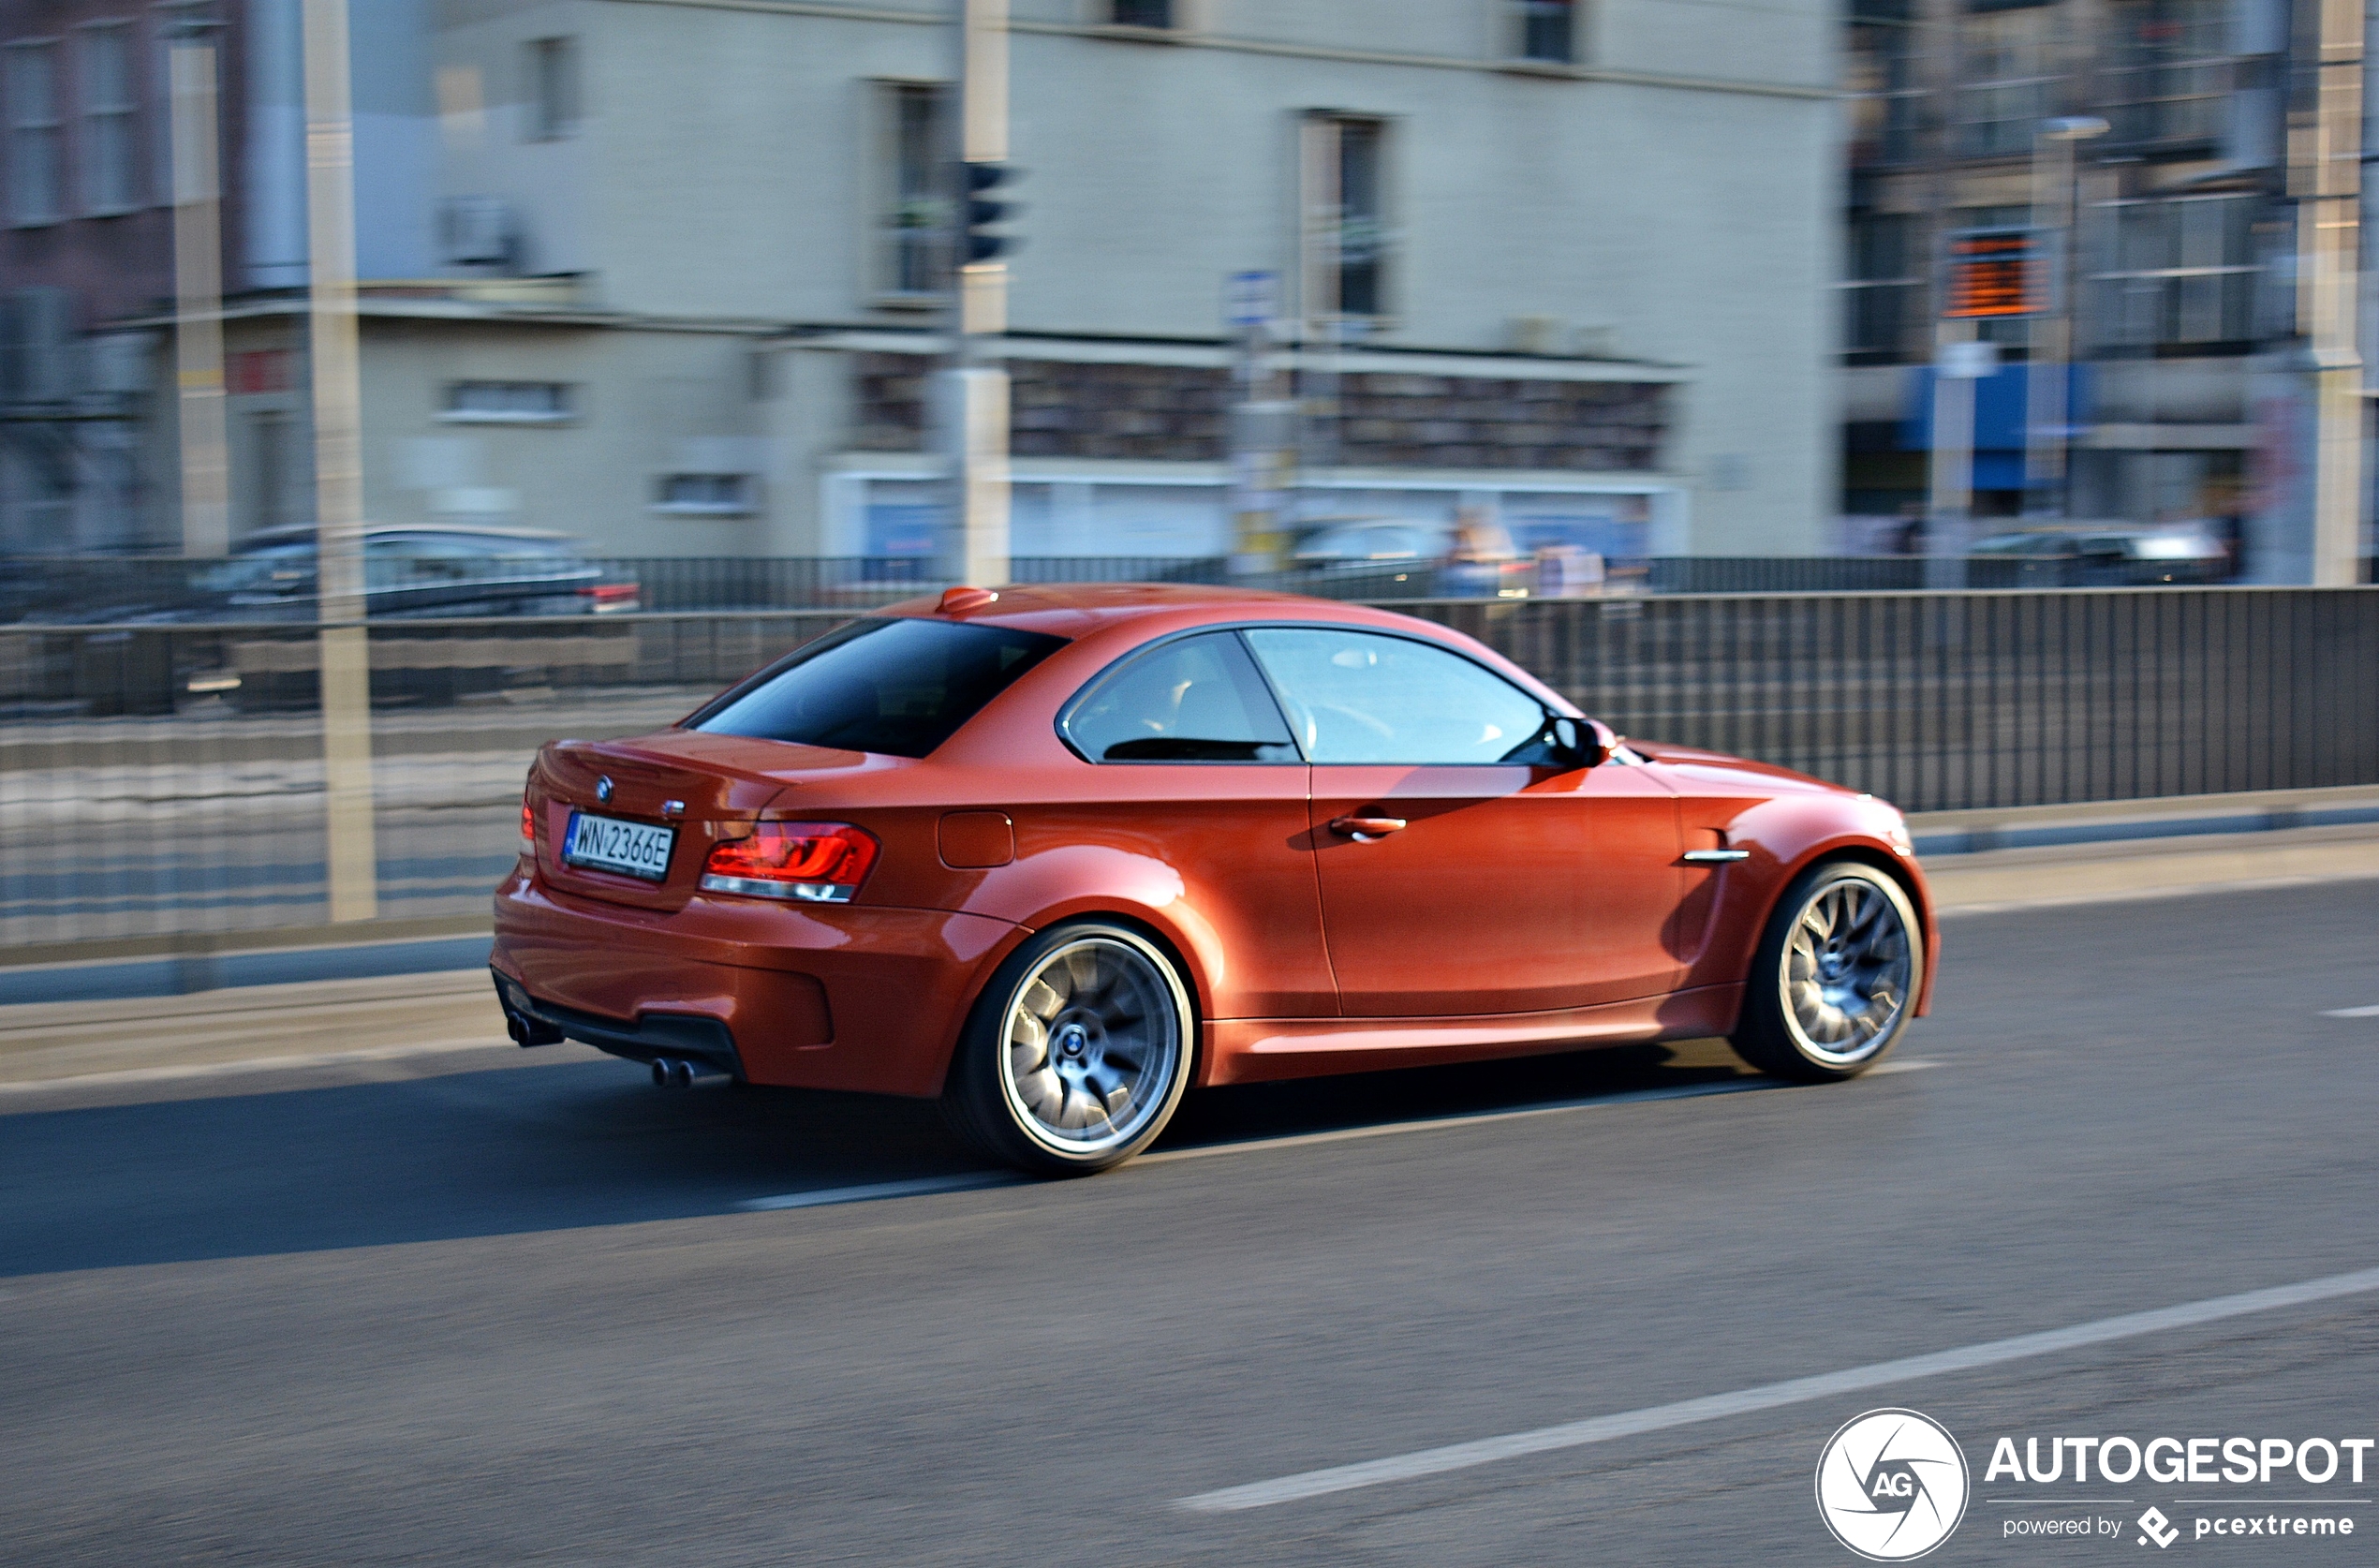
{"type": "Point", "coordinates": [519, 1315]}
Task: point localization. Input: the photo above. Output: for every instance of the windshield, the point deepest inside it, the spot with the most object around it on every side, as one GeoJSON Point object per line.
{"type": "Point", "coordinates": [897, 686]}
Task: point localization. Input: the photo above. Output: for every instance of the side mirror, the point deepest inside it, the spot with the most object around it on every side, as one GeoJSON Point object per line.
{"type": "Point", "coordinates": [1582, 742]}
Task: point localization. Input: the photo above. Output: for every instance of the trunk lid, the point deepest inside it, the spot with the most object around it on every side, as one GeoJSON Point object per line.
{"type": "Point", "coordinates": [720, 786]}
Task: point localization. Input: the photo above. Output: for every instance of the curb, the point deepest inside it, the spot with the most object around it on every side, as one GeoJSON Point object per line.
{"type": "Point", "coordinates": [186, 973]}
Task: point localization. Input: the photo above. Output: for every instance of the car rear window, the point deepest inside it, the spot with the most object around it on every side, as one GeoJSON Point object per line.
{"type": "Point", "coordinates": [897, 686]}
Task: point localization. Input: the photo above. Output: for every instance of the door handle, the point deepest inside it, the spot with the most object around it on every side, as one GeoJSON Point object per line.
{"type": "Point", "coordinates": [1365, 830]}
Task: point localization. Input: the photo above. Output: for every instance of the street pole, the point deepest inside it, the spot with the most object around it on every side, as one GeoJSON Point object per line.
{"type": "Point", "coordinates": [975, 392]}
{"type": "Point", "coordinates": [338, 465]}
{"type": "Point", "coordinates": [1263, 428]}
{"type": "Point", "coordinates": [1958, 362]}
{"type": "Point", "coordinates": [2046, 410]}
{"type": "Point", "coordinates": [2329, 183]}
{"type": "Point", "coordinates": [197, 287]}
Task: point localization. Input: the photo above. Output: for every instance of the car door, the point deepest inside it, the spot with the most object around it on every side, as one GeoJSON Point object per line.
{"type": "Point", "coordinates": [1195, 768]}
{"type": "Point", "coordinates": [1462, 872]}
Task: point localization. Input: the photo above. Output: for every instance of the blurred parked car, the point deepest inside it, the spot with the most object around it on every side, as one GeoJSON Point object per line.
{"type": "Point", "coordinates": [1382, 557]}
{"type": "Point", "coordinates": [418, 572]}
{"type": "Point", "coordinates": [2104, 557]}
{"type": "Point", "coordinates": [409, 573]}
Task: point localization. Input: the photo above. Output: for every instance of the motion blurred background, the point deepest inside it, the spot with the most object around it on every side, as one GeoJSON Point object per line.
{"type": "Point", "coordinates": [387, 386]}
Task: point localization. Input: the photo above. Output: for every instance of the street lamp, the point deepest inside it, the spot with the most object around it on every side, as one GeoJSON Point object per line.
{"type": "Point", "coordinates": [2045, 486]}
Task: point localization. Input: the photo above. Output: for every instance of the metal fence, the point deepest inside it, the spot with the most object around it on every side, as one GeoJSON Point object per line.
{"type": "Point", "coordinates": [167, 780]}
{"type": "Point", "coordinates": [1956, 702]}
{"type": "Point", "coordinates": [67, 590]}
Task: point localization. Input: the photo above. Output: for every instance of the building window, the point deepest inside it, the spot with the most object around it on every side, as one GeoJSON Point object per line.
{"type": "Point", "coordinates": [1349, 245]}
{"type": "Point", "coordinates": [506, 403]}
{"type": "Point", "coordinates": [276, 471]}
{"type": "Point", "coordinates": [706, 494]}
{"type": "Point", "coordinates": [1879, 75]}
{"type": "Point", "coordinates": [108, 110]}
{"type": "Point", "coordinates": [1883, 298]}
{"type": "Point", "coordinates": [911, 215]}
{"type": "Point", "coordinates": [34, 140]}
{"type": "Point", "coordinates": [553, 89]}
{"type": "Point", "coordinates": [1547, 30]}
{"type": "Point", "coordinates": [1141, 13]}
{"type": "Point", "coordinates": [2011, 71]}
{"type": "Point", "coordinates": [2173, 73]}
{"type": "Point", "coordinates": [2172, 271]}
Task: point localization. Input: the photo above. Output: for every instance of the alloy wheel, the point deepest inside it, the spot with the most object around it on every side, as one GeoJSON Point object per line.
{"type": "Point", "coordinates": [1092, 1043]}
{"type": "Point", "coordinates": [1847, 971]}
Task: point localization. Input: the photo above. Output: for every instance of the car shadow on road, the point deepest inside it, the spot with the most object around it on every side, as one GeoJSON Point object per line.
{"type": "Point", "coordinates": [593, 1144]}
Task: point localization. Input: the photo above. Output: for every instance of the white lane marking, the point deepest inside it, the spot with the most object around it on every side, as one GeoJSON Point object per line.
{"type": "Point", "coordinates": [825, 1196]}
{"type": "Point", "coordinates": [2353, 1012]}
{"type": "Point", "coordinates": [259, 1064]}
{"type": "Point", "coordinates": [1713, 1407]}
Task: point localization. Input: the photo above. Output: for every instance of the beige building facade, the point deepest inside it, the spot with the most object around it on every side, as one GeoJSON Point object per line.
{"type": "Point", "coordinates": [1571, 263]}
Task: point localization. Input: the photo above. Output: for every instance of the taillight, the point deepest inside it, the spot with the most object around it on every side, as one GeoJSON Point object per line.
{"type": "Point", "coordinates": [612, 596]}
{"type": "Point", "coordinates": [528, 828]}
{"type": "Point", "coordinates": [818, 863]}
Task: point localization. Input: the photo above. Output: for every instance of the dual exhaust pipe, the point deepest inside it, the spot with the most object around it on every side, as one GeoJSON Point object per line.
{"type": "Point", "coordinates": [672, 1072]}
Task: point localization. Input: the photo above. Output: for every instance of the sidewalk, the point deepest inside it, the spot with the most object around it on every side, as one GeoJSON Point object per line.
{"type": "Point", "coordinates": [324, 1032]}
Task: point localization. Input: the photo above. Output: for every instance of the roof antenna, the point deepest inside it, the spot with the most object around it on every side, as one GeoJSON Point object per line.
{"type": "Point", "coordinates": [958, 600]}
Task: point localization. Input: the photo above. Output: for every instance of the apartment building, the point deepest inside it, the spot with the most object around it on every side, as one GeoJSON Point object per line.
{"type": "Point", "coordinates": [2179, 265]}
{"type": "Point", "coordinates": [86, 245]}
{"type": "Point", "coordinates": [662, 274]}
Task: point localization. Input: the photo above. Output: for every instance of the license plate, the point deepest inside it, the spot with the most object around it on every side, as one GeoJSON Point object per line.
{"type": "Point", "coordinates": [608, 844]}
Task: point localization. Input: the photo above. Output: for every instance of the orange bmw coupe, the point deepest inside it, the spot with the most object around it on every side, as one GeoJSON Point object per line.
{"type": "Point", "coordinates": [1057, 856]}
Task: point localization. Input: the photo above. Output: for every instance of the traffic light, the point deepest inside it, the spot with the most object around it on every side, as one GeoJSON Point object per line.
{"type": "Point", "coordinates": [983, 209]}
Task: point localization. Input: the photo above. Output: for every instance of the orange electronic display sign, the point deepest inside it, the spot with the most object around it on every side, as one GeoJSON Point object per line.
{"type": "Point", "coordinates": [1994, 272]}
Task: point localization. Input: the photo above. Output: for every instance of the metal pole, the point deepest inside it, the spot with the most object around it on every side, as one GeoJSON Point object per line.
{"type": "Point", "coordinates": [1947, 526]}
{"type": "Point", "coordinates": [2328, 241]}
{"type": "Point", "coordinates": [2046, 414]}
{"type": "Point", "coordinates": [1263, 428]}
{"type": "Point", "coordinates": [338, 467]}
{"type": "Point", "coordinates": [975, 389]}
{"type": "Point", "coordinates": [197, 287]}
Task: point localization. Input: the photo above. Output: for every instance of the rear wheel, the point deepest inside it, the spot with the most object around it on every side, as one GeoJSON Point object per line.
{"type": "Point", "coordinates": [1835, 978]}
{"type": "Point", "coordinates": [1076, 1054]}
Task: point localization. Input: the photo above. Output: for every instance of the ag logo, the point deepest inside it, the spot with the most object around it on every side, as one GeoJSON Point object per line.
{"type": "Point", "coordinates": [1891, 1484]}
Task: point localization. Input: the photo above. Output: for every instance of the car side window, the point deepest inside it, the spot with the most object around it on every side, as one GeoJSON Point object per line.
{"type": "Point", "coordinates": [1197, 699]}
{"type": "Point", "coordinates": [1362, 697]}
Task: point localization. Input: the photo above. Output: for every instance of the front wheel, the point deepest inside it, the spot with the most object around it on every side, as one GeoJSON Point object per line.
{"type": "Point", "coordinates": [1835, 978]}
{"type": "Point", "coordinates": [1076, 1054]}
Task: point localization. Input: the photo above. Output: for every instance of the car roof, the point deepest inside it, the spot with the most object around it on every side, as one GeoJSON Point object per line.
{"type": "Point", "coordinates": [1094, 612]}
{"type": "Point", "coordinates": [1037, 606]}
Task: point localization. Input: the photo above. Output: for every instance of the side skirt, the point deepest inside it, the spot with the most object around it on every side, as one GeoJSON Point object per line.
{"type": "Point", "coordinates": [1258, 1050]}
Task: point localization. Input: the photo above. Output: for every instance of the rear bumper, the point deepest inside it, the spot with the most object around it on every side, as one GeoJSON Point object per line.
{"type": "Point", "coordinates": [651, 1037]}
{"type": "Point", "coordinates": [842, 996]}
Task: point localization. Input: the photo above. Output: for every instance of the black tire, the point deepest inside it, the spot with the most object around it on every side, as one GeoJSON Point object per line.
{"type": "Point", "coordinates": [1831, 989]}
{"type": "Point", "coordinates": [1077, 1052]}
